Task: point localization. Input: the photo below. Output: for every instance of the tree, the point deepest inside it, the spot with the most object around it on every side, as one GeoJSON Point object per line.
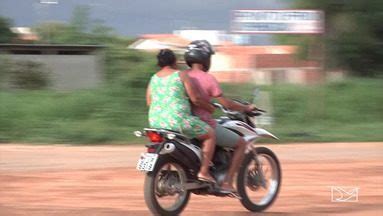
{"type": "Point", "coordinates": [353, 36]}
{"type": "Point", "coordinates": [54, 32]}
{"type": "Point", "coordinates": [80, 20]}
{"type": "Point", "coordinates": [80, 30]}
{"type": "Point", "coordinates": [6, 35]}
{"type": "Point", "coordinates": [100, 32]}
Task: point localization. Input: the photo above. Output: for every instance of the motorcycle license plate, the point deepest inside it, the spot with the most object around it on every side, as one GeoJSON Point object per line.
{"type": "Point", "coordinates": [147, 161]}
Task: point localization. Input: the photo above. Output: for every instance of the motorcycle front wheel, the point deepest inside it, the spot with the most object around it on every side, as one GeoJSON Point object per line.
{"type": "Point", "coordinates": [164, 191]}
{"type": "Point", "coordinates": [259, 180]}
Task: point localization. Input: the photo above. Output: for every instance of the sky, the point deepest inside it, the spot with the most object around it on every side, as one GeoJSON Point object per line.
{"type": "Point", "coordinates": [136, 17]}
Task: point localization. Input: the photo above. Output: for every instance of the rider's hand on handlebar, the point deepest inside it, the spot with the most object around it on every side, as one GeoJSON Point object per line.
{"type": "Point", "coordinates": [250, 107]}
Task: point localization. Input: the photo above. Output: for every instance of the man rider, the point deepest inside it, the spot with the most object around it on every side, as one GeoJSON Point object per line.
{"type": "Point", "coordinates": [198, 58]}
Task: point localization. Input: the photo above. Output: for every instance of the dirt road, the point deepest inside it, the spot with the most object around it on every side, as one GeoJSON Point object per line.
{"type": "Point", "coordinates": [102, 180]}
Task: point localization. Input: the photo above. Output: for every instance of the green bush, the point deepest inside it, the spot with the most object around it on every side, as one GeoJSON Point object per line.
{"type": "Point", "coordinates": [25, 74]}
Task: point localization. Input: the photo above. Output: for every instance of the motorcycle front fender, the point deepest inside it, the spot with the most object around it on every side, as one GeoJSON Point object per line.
{"type": "Point", "coordinates": [264, 133]}
{"type": "Point", "coordinates": [259, 132]}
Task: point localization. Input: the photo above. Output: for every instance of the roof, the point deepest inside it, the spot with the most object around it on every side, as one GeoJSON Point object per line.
{"type": "Point", "coordinates": [215, 37]}
{"type": "Point", "coordinates": [68, 46]}
{"type": "Point", "coordinates": [25, 33]}
{"type": "Point", "coordinates": [51, 47]}
{"type": "Point", "coordinates": [282, 61]}
{"type": "Point", "coordinates": [169, 39]}
{"type": "Point", "coordinates": [256, 50]}
{"type": "Point", "coordinates": [156, 36]}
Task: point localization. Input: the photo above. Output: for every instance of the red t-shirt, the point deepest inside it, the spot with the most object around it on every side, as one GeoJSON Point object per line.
{"type": "Point", "coordinates": [209, 88]}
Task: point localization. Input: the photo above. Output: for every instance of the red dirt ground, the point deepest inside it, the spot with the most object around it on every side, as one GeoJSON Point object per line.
{"type": "Point", "coordinates": [102, 180]}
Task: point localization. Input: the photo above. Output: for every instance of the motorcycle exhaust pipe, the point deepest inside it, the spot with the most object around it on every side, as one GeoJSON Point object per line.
{"type": "Point", "coordinates": [168, 148]}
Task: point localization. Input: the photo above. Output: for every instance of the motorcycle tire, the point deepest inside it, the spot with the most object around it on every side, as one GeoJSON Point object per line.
{"type": "Point", "coordinates": [150, 189]}
{"type": "Point", "coordinates": [241, 181]}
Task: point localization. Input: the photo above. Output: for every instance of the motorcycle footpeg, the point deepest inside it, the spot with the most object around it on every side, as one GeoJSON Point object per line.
{"type": "Point", "coordinates": [234, 195]}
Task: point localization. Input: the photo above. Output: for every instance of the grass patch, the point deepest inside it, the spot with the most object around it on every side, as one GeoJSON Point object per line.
{"type": "Point", "coordinates": [91, 116]}
{"type": "Point", "coordinates": [344, 111]}
{"type": "Point", "coordinates": [349, 110]}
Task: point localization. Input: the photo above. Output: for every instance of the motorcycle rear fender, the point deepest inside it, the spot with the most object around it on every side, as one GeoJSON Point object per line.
{"type": "Point", "coordinates": [185, 156]}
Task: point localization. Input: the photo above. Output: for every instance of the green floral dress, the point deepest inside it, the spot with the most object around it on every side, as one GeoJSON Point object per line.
{"type": "Point", "coordinates": [170, 107]}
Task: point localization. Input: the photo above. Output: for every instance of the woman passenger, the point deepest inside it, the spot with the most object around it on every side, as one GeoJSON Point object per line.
{"type": "Point", "coordinates": [168, 95]}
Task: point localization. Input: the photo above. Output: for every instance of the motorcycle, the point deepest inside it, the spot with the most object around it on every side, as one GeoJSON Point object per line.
{"type": "Point", "coordinates": [172, 162]}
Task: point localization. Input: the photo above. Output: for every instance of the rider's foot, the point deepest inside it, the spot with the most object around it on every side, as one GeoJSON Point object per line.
{"type": "Point", "coordinates": [206, 178]}
{"type": "Point", "coordinates": [227, 188]}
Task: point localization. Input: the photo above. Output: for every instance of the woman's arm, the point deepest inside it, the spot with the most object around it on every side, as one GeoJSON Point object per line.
{"type": "Point", "coordinates": [148, 96]}
{"type": "Point", "coordinates": [232, 105]}
{"type": "Point", "coordinates": [194, 93]}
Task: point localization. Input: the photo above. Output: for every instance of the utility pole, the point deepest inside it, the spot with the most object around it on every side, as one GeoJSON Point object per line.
{"type": "Point", "coordinates": [49, 2]}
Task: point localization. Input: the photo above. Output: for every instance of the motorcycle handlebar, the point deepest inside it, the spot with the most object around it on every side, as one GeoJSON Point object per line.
{"type": "Point", "coordinates": [260, 110]}
{"type": "Point", "coordinates": [255, 112]}
{"type": "Point", "coordinates": [224, 110]}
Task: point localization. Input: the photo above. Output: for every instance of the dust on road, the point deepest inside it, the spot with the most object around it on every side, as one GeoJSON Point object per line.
{"type": "Point", "coordinates": [102, 180]}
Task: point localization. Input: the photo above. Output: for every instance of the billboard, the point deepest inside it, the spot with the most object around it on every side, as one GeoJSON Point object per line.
{"type": "Point", "coordinates": [278, 21]}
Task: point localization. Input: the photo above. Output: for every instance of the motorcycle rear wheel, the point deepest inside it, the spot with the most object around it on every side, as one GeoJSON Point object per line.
{"type": "Point", "coordinates": [165, 183]}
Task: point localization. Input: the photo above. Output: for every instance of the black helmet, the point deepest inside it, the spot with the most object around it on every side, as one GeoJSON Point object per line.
{"type": "Point", "coordinates": [199, 52]}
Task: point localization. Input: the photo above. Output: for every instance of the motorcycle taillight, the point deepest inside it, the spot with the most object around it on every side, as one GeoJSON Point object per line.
{"type": "Point", "coordinates": [151, 150]}
{"type": "Point", "coordinates": [152, 147]}
{"type": "Point", "coordinates": [154, 136]}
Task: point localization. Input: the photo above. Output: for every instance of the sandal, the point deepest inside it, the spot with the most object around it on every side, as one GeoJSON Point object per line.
{"type": "Point", "coordinates": [228, 190]}
{"type": "Point", "coordinates": [206, 179]}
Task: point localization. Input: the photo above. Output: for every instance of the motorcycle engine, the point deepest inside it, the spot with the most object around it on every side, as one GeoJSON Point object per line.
{"type": "Point", "coordinates": [221, 160]}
